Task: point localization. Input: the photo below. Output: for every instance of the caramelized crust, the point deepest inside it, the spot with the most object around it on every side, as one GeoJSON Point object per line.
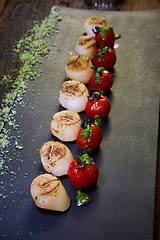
{"type": "Point", "coordinates": [79, 63]}
{"type": "Point", "coordinates": [70, 88]}
{"type": "Point", "coordinates": [65, 118]}
{"type": "Point", "coordinates": [87, 42]}
{"type": "Point", "coordinates": [96, 21]}
{"type": "Point", "coordinates": [53, 152]}
{"type": "Point", "coordinates": [46, 185]}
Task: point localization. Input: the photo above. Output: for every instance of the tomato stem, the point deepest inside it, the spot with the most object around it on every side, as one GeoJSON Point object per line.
{"type": "Point", "coordinates": [85, 123]}
{"type": "Point", "coordinates": [84, 160]}
{"type": "Point", "coordinates": [95, 96]}
{"type": "Point", "coordinates": [101, 54]}
{"type": "Point", "coordinates": [104, 31]}
{"type": "Point", "coordinates": [98, 74]}
{"type": "Point", "coordinates": [87, 132]}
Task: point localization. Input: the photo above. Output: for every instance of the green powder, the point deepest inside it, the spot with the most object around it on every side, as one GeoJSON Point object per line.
{"type": "Point", "coordinates": [30, 49]}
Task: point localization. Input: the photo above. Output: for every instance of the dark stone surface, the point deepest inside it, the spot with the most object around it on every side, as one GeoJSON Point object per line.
{"type": "Point", "coordinates": [123, 203]}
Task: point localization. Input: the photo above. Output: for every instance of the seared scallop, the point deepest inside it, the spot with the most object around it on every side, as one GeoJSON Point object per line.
{"type": "Point", "coordinates": [86, 45]}
{"type": "Point", "coordinates": [56, 158]}
{"type": "Point", "coordinates": [65, 125]}
{"type": "Point", "coordinates": [92, 22]}
{"type": "Point", "coordinates": [73, 96]}
{"type": "Point", "coordinates": [79, 68]}
{"type": "Point", "coordinates": [48, 192]}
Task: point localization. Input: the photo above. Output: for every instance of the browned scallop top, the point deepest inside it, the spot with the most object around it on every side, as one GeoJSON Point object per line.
{"type": "Point", "coordinates": [73, 88]}
{"type": "Point", "coordinates": [66, 118]}
{"type": "Point", "coordinates": [87, 42]}
{"type": "Point", "coordinates": [79, 63]}
{"type": "Point", "coordinates": [47, 185]}
{"type": "Point", "coordinates": [53, 152]}
{"type": "Point", "coordinates": [97, 21]}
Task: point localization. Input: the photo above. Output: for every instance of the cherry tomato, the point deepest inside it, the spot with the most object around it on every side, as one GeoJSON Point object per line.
{"type": "Point", "coordinates": [104, 57]}
{"type": "Point", "coordinates": [98, 105]}
{"type": "Point", "coordinates": [83, 177]}
{"type": "Point", "coordinates": [90, 137]}
{"type": "Point", "coordinates": [105, 36]}
{"type": "Point", "coordinates": [101, 80]}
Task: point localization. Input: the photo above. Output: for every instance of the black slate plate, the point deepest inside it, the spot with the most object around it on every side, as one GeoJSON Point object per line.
{"type": "Point", "coordinates": [122, 204]}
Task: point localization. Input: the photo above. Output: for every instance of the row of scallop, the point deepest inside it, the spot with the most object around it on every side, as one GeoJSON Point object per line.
{"type": "Point", "coordinates": [46, 189]}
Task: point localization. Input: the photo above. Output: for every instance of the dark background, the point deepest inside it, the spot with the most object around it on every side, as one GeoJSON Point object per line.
{"type": "Point", "coordinates": [16, 16]}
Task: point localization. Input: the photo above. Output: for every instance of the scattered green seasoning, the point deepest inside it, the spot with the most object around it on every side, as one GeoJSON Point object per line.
{"type": "Point", "coordinates": [30, 49]}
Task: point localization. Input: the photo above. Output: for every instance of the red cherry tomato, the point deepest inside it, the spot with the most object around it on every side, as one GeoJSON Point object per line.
{"type": "Point", "coordinates": [100, 107]}
{"type": "Point", "coordinates": [83, 177]}
{"type": "Point", "coordinates": [101, 80]}
{"type": "Point", "coordinates": [104, 57]}
{"type": "Point", "coordinates": [106, 36]}
{"type": "Point", "coordinates": [89, 138]}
